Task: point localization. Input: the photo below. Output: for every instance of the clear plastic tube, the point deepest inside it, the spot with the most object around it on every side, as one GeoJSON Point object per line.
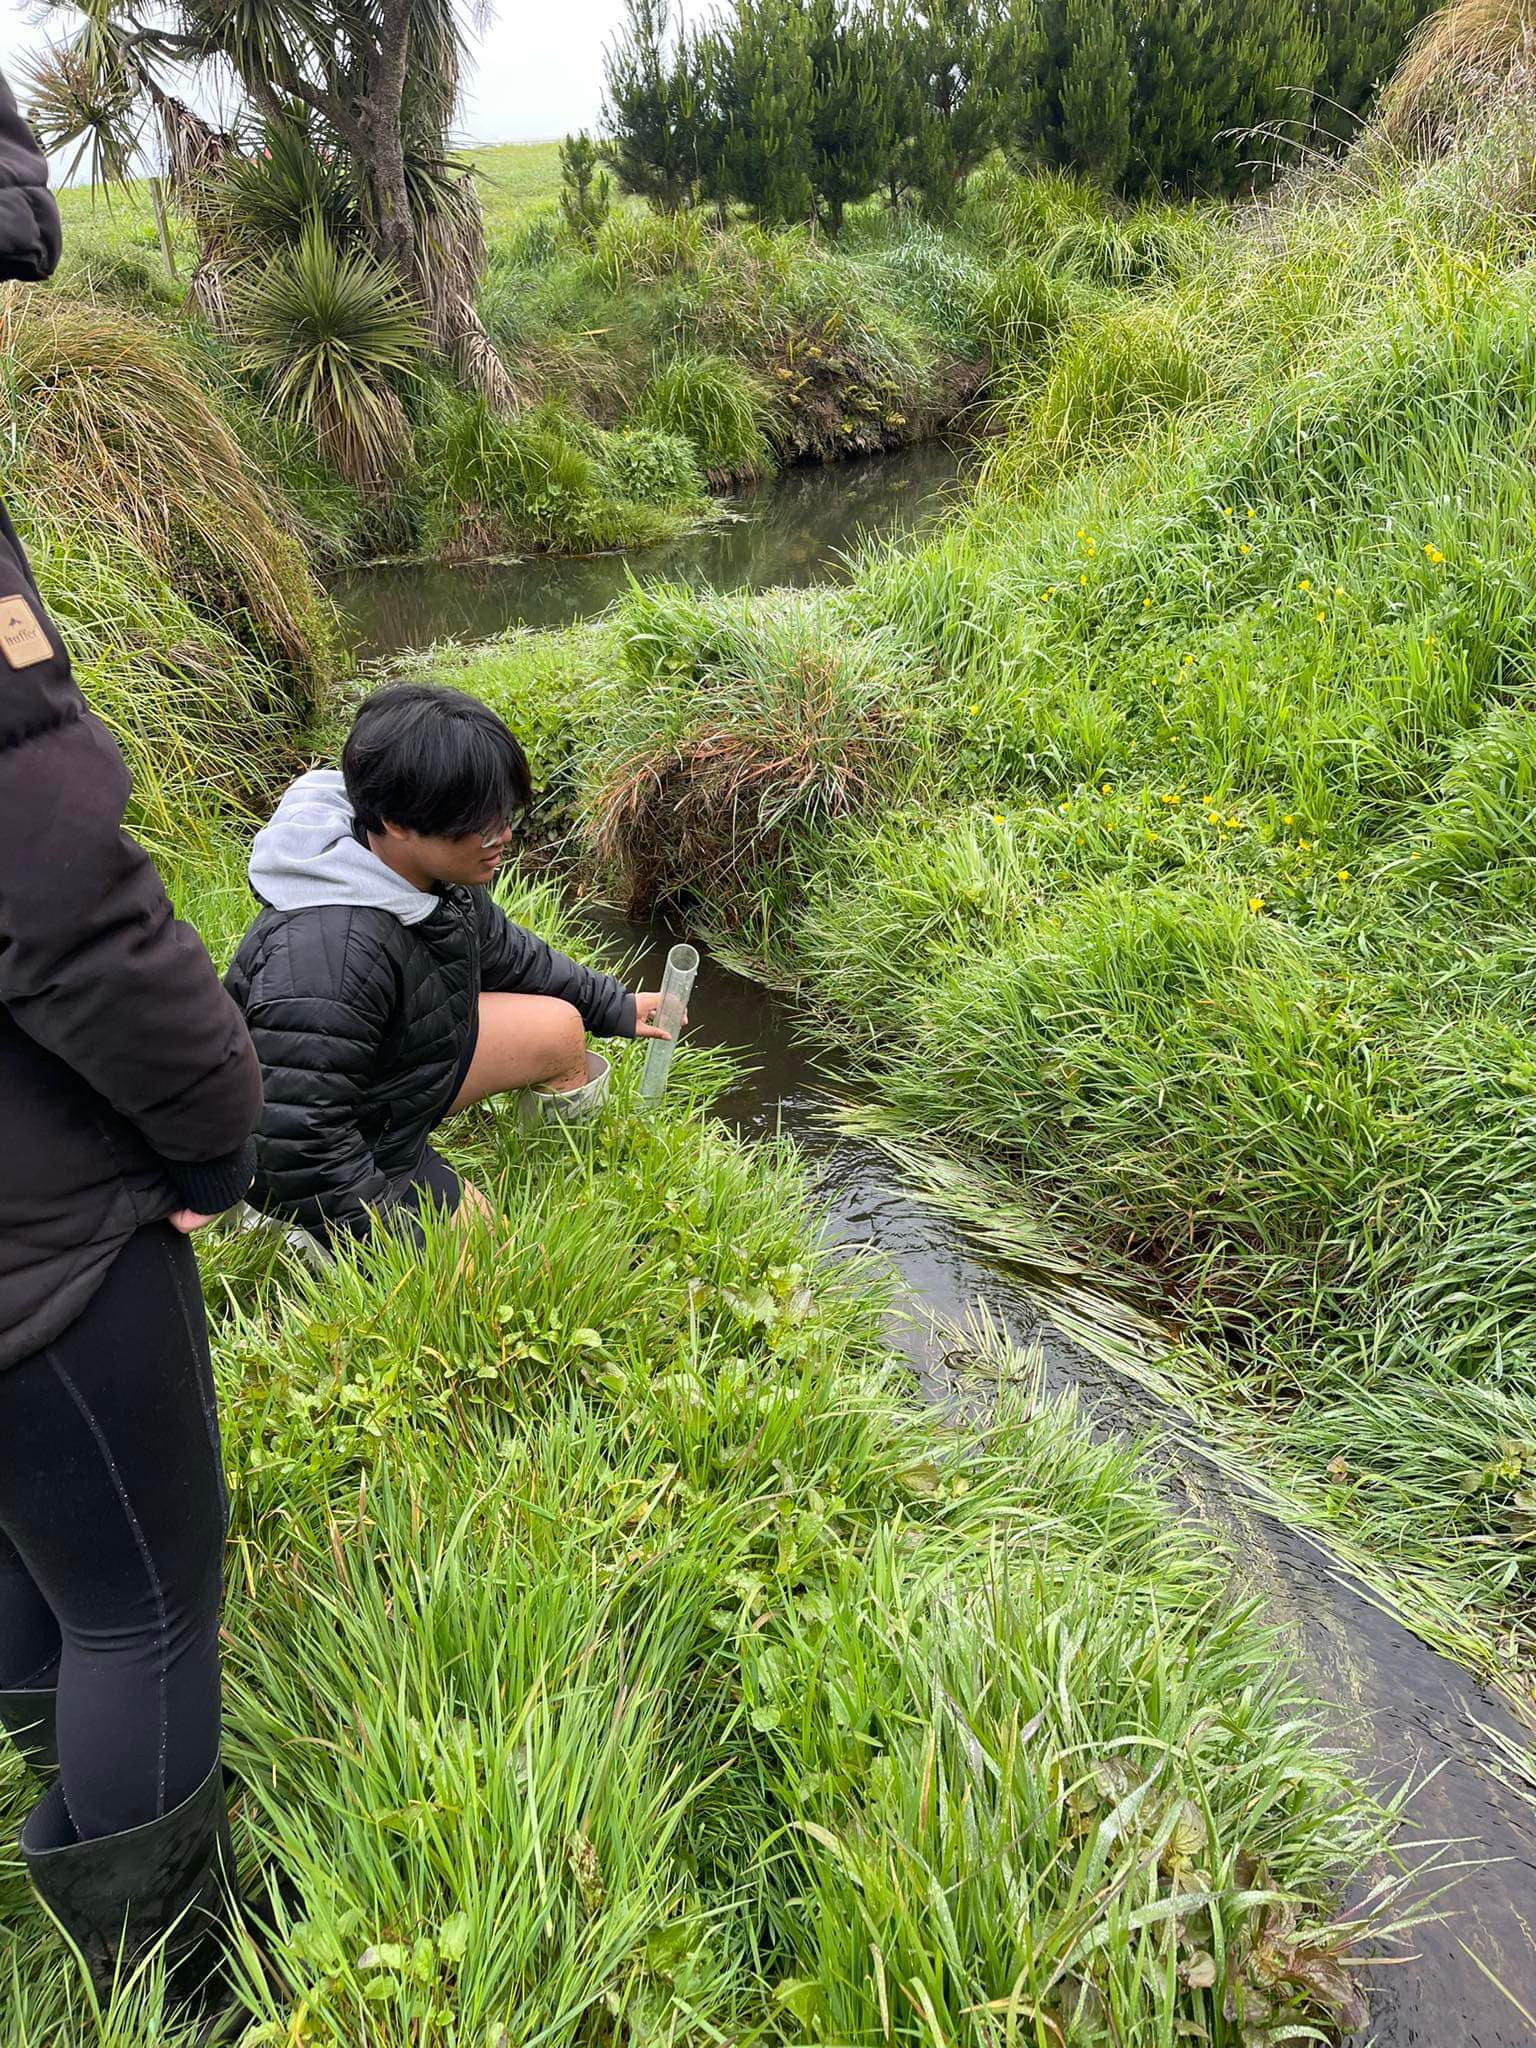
{"type": "Point", "coordinates": [676, 988]}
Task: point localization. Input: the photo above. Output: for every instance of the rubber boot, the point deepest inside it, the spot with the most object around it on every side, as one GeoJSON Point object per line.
{"type": "Point", "coordinates": [115, 1898]}
{"type": "Point", "coordinates": [27, 1717]}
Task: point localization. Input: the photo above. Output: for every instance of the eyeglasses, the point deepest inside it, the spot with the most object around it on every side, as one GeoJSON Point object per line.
{"type": "Point", "coordinates": [498, 836]}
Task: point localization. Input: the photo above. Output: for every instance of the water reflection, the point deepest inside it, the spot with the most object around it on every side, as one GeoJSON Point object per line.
{"type": "Point", "coordinates": [790, 531]}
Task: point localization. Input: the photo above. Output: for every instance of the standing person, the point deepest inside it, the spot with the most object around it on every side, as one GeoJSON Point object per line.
{"type": "Point", "coordinates": [383, 987]}
{"type": "Point", "coordinates": [128, 1094]}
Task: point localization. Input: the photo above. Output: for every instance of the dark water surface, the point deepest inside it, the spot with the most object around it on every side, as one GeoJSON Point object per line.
{"type": "Point", "coordinates": [1410, 1714]}
{"type": "Point", "coordinates": [791, 531]}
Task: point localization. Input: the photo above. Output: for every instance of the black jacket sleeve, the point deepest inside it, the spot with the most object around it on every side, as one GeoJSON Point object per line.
{"type": "Point", "coordinates": [93, 964]}
{"type": "Point", "coordinates": [516, 962]}
{"type": "Point", "coordinates": [29, 219]}
{"type": "Point", "coordinates": [318, 1007]}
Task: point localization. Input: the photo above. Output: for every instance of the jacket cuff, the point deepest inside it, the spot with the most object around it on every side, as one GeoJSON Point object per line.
{"type": "Point", "coordinates": [210, 1186]}
{"type": "Point", "coordinates": [625, 1026]}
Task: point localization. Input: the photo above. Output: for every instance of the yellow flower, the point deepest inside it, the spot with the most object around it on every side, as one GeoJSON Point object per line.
{"type": "Point", "coordinates": [1226, 511]}
{"type": "Point", "coordinates": [1433, 552]}
{"type": "Point", "coordinates": [1321, 617]}
{"type": "Point", "coordinates": [1305, 583]}
{"type": "Point", "coordinates": [1172, 799]}
{"type": "Point", "coordinates": [997, 818]}
{"type": "Point", "coordinates": [1061, 807]}
{"type": "Point", "coordinates": [975, 708]}
{"type": "Point", "coordinates": [1080, 534]}
{"type": "Point", "coordinates": [1289, 818]}
{"type": "Point", "coordinates": [1051, 590]}
{"type": "Point", "coordinates": [1338, 590]}
{"type": "Point", "coordinates": [1343, 874]}
{"type": "Point", "coordinates": [1104, 789]}
{"type": "Point", "coordinates": [1212, 818]}
{"type": "Point", "coordinates": [1252, 512]}
{"type": "Point", "coordinates": [1244, 549]}
{"type": "Point", "coordinates": [1082, 579]}
{"type": "Point", "coordinates": [1189, 661]}
{"type": "Point", "coordinates": [1255, 905]}
{"type": "Point", "coordinates": [1306, 845]}
{"type": "Point", "coordinates": [1146, 604]}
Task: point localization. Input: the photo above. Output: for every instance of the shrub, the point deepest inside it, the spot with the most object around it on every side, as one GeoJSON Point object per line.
{"type": "Point", "coordinates": [112, 436]}
{"type": "Point", "coordinates": [718, 406]}
{"type": "Point", "coordinates": [1019, 312]}
{"type": "Point", "coordinates": [746, 741]}
{"type": "Point", "coordinates": [652, 467]}
{"type": "Point", "coordinates": [1111, 379]}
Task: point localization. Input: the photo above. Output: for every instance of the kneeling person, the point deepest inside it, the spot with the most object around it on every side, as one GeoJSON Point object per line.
{"type": "Point", "coordinates": [383, 988]}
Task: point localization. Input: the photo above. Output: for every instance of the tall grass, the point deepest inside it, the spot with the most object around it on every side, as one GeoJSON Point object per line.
{"type": "Point", "coordinates": [616, 1653]}
{"type": "Point", "coordinates": [1188, 897]}
{"type": "Point", "coordinates": [613, 1648]}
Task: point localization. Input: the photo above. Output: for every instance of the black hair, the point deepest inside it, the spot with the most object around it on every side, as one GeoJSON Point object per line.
{"type": "Point", "coordinates": [433, 760]}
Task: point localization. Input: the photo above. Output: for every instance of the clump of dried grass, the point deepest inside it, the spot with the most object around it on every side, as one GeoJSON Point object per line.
{"type": "Point", "coordinates": [699, 802]}
{"type": "Point", "coordinates": [1468, 65]}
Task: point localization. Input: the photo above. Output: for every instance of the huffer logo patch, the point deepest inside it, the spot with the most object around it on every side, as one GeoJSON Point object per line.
{"type": "Point", "coordinates": [22, 640]}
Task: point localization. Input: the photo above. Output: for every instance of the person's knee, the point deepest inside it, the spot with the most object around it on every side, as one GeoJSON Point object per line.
{"type": "Point", "coordinates": [565, 1044]}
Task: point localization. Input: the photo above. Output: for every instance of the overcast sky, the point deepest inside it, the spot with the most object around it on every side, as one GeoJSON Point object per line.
{"type": "Point", "coordinates": [535, 74]}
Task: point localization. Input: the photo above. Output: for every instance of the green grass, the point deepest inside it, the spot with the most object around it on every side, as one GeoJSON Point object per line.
{"type": "Point", "coordinates": [612, 1645]}
{"type": "Point", "coordinates": [761, 349]}
{"type": "Point", "coordinates": [1182, 894]}
{"type": "Point", "coordinates": [616, 1651]}
{"type": "Point", "coordinates": [515, 178]}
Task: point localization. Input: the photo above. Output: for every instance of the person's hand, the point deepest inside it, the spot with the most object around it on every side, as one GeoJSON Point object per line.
{"type": "Point", "coordinates": [188, 1220]}
{"type": "Point", "coordinates": [647, 1009]}
{"type": "Point", "coordinates": [473, 1207]}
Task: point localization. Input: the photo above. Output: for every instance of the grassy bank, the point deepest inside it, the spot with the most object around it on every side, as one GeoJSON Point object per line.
{"type": "Point", "coordinates": [617, 1654]}
{"type": "Point", "coordinates": [614, 1651]}
{"type": "Point", "coordinates": [659, 358]}
{"type": "Point", "coordinates": [1157, 839]}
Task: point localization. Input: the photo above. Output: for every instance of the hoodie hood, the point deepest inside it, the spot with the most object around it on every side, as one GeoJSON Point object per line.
{"type": "Point", "coordinates": [309, 856]}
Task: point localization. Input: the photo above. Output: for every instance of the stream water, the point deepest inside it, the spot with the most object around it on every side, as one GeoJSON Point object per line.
{"type": "Point", "coordinates": [1409, 1714]}
{"type": "Point", "coordinates": [793, 530]}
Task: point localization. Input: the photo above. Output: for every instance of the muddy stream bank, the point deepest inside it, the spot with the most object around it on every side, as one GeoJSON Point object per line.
{"type": "Point", "coordinates": [1409, 1713]}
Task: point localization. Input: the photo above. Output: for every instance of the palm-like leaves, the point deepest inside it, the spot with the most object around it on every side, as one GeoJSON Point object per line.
{"type": "Point", "coordinates": [334, 335]}
{"type": "Point", "coordinates": [264, 202]}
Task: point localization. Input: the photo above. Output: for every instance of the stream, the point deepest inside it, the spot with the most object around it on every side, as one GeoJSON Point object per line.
{"type": "Point", "coordinates": [1409, 1714]}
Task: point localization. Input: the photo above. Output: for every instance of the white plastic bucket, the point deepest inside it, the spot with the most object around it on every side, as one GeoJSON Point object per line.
{"type": "Point", "coordinates": [540, 1106]}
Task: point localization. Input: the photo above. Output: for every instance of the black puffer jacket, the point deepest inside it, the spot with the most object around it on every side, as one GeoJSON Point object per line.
{"type": "Point", "coordinates": [128, 1087]}
{"type": "Point", "coordinates": [363, 1024]}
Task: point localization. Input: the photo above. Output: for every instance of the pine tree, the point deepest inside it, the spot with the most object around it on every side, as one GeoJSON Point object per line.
{"type": "Point", "coordinates": [1223, 93]}
{"type": "Point", "coordinates": [1088, 120]}
{"type": "Point", "coordinates": [1020, 72]}
{"type": "Point", "coordinates": [1363, 41]}
{"type": "Point", "coordinates": [852, 134]}
{"type": "Point", "coordinates": [763, 93]}
{"type": "Point", "coordinates": [957, 56]}
{"type": "Point", "coordinates": [651, 82]}
{"type": "Point", "coordinates": [584, 189]}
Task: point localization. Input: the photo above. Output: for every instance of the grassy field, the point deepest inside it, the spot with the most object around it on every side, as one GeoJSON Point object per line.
{"type": "Point", "coordinates": [616, 1653]}
{"type": "Point", "coordinates": [1158, 838]}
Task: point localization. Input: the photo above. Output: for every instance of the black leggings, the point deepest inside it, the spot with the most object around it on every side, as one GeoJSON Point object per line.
{"type": "Point", "coordinates": [112, 1516]}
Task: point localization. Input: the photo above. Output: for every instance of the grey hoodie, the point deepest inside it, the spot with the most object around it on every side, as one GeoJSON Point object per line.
{"type": "Point", "coordinates": [309, 855]}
